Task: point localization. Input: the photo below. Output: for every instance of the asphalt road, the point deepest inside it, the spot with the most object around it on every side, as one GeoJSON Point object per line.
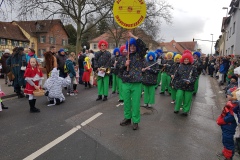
{"type": "Point", "coordinates": [58, 132]}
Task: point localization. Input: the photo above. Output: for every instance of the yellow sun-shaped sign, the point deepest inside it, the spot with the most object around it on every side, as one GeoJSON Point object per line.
{"type": "Point", "coordinates": [129, 13]}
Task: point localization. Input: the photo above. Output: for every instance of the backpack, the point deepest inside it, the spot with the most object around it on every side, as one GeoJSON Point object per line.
{"type": "Point", "coordinates": [65, 69]}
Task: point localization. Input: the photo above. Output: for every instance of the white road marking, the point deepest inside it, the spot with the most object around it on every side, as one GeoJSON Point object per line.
{"type": "Point", "coordinates": [91, 119]}
{"type": "Point", "coordinates": [52, 144]}
{"type": "Point", "coordinates": [60, 139]}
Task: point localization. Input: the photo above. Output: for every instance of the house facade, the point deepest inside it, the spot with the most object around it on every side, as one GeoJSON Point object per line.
{"type": "Point", "coordinates": [178, 47]}
{"type": "Point", "coordinates": [11, 36]}
{"type": "Point", "coordinates": [232, 30]}
{"type": "Point", "coordinates": [44, 33]}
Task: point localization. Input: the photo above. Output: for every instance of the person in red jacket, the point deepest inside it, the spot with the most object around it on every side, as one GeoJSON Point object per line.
{"type": "Point", "coordinates": [34, 76]}
{"type": "Point", "coordinates": [87, 72]}
{"type": "Point", "coordinates": [228, 125]}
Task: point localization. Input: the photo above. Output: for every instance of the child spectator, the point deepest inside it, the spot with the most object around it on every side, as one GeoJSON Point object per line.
{"type": "Point", "coordinates": [233, 83]}
{"type": "Point", "coordinates": [87, 72]}
{"type": "Point", "coordinates": [228, 125]}
{"type": "Point", "coordinates": [34, 76]}
{"type": "Point", "coordinates": [71, 72]}
{"type": "Point", "coordinates": [76, 80]}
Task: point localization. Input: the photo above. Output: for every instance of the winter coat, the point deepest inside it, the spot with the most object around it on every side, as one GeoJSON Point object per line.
{"type": "Point", "coordinates": [168, 66]}
{"type": "Point", "coordinates": [86, 74]}
{"type": "Point", "coordinates": [61, 59]}
{"type": "Point", "coordinates": [80, 61]}
{"type": "Point", "coordinates": [120, 62]}
{"type": "Point", "coordinates": [150, 76]}
{"type": "Point", "coordinates": [16, 61]}
{"type": "Point", "coordinates": [5, 67]}
{"type": "Point", "coordinates": [134, 75]}
{"type": "Point", "coordinates": [114, 70]}
{"type": "Point", "coordinates": [174, 68]}
{"type": "Point", "coordinates": [199, 65]}
{"type": "Point", "coordinates": [185, 72]}
{"type": "Point", "coordinates": [102, 59]}
{"type": "Point", "coordinates": [70, 68]}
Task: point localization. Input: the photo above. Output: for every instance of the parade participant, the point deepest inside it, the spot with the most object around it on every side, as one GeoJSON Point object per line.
{"type": "Point", "coordinates": [50, 60]}
{"type": "Point", "coordinates": [87, 72]}
{"type": "Point", "coordinates": [132, 78]}
{"type": "Point", "coordinates": [15, 62]}
{"type": "Point", "coordinates": [149, 79]}
{"type": "Point", "coordinates": [199, 66]}
{"type": "Point", "coordinates": [184, 80]}
{"type": "Point", "coordinates": [102, 66]}
{"type": "Point", "coordinates": [34, 77]}
{"type": "Point", "coordinates": [5, 68]}
{"type": "Point", "coordinates": [228, 125]}
{"type": "Point", "coordinates": [173, 70]}
{"type": "Point", "coordinates": [122, 58]}
{"type": "Point", "coordinates": [53, 86]}
{"type": "Point", "coordinates": [166, 79]}
{"type": "Point", "coordinates": [61, 59]}
{"type": "Point", "coordinates": [114, 71]}
{"type": "Point", "coordinates": [69, 69]}
{"type": "Point", "coordinates": [159, 53]}
{"type": "Point", "coordinates": [30, 54]}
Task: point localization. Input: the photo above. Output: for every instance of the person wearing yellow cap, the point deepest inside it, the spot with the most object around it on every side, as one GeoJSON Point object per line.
{"type": "Point", "coordinates": [173, 71]}
{"type": "Point", "coordinates": [166, 73]}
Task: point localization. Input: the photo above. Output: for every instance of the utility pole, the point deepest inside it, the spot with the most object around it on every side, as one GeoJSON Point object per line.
{"type": "Point", "coordinates": [212, 44]}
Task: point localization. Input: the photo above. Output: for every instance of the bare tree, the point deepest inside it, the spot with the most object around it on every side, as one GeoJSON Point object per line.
{"type": "Point", "coordinates": [6, 9]}
{"type": "Point", "coordinates": [80, 12]}
{"type": "Point", "coordinates": [157, 12]}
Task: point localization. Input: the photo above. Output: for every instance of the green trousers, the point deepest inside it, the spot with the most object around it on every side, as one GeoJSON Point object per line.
{"type": "Point", "coordinates": [173, 94]}
{"type": "Point", "coordinates": [196, 85]}
{"type": "Point", "coordinates": [164, 82]}
{"type": "Point", "coordinates": [131, 97]}
{"type": "Point", "coordinates": [120, 88]}
{"type": "Point", "coordinates": [159, 78]}
{"type": "Point", "coordinates": [103, 85]}
{"type": "Point", "coordinates": [149, 94]}
{"type": "Point", "coordinates": [184, 97]}
{"type": "Point", "coordinates": [114, 83]}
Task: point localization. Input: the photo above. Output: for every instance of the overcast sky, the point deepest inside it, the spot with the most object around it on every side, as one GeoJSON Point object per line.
{"type": "Point", "coordinates": [196, 19]}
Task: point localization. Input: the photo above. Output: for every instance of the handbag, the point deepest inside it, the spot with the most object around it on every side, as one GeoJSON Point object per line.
{"type": "Point", "coordinates": [11, 76]}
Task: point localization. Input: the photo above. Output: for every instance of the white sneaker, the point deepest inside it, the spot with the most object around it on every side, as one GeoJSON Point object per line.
{"type": "Point", "coordinates": [72, 94]}
{"type": "Point", "coordinates": [145, 105]}
{"type": "Point", "coordinates": [173, 102]}
{"type": "Point", "coordinates": [150, 105]}
{"type": "Point", "coordinates": [68, 93]}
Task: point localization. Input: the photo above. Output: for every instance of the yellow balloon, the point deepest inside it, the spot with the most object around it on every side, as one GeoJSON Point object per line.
{"type": "Point", "coordinates": [129, 13]}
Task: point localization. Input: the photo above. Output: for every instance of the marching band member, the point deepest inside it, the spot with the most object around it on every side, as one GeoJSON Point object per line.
{"type": "Point", "coordinates": [101, 64]}
{"type": "Point", "coordinates": [166, 79]}
{"type": "Point", "coordinates": [122, 58]}
{"type": "Point", "coordinates": [173, 70]}
{"type": "Point", "coordinates": [150, 75]}
{"type": "Point", "coordinates": [199, 66]}
{"type": "Point", "coordinates": [184, 80]}
{"type": "Point", "coordinates": [159, 53]}
{"type": "Point", "coordinates": [116, 53]}
{"type": "Point", "coordinates": [132, 79]}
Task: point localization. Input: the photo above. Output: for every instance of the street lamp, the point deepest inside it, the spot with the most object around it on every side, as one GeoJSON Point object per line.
{"type": "Point", "coordinates": [226, 9]}
{"type": "Point", "coordinates": [212, 44]}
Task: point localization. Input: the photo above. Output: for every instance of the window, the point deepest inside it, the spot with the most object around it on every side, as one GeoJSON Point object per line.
{"type": "Point", "coordinates": [234, 24]}
{"type": "Point", "coordinates": [232, 48]}
{"type": "Point", "coordinates": [15, 43]}
{"type": "Point", "coordinates": [40, 53]}
{"type": "Point", "coordinates": [230, 32]}
{"type": "Point", "coordinates": [51, 40]}
{"type": "Point", "coordinates": [94, 46]}
{"type": "Point", "coordinates": [3, 42]}
{"type": "Point", "coordinates": [43, 39]}
{"type": "Point", "coordinates": [226, 52]}
{"type": "Point", "coordinates": [25, 44]}
{"type": "Point", "coordinates": [63, 42]}
{"type": "Point", "coordinates": [32, 45]}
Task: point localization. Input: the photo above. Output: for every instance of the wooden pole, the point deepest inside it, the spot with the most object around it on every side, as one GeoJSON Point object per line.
{"type": "Point", "coordinates": [128, 52]}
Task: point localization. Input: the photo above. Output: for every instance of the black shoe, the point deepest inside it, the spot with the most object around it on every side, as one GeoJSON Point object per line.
{"type": "Point", "coordinates": [194, 94]}
{"type": "Point", "coordinates": [113, 92]}
{"type": "Point", "coordinates": [184, 114]}
{"type": "Point", "coordinates": [20, 95]}
{"type": "Point", "coordinates": [104, 98]}
{"type": "Point", "coordinates": [120, 100]}
{"type": "Point", "coordinates": [176, 112]}
{"type": "Point", "coordinates": [161, 92]}
{"type": "Point", "coordinates": [135, 126]}
{"type": "Point", "coordinates": [34, 110]}
{"type": "Point", "coordinates": [99, 98]}
{"type": "Point", "coordinates": [125, 122]}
